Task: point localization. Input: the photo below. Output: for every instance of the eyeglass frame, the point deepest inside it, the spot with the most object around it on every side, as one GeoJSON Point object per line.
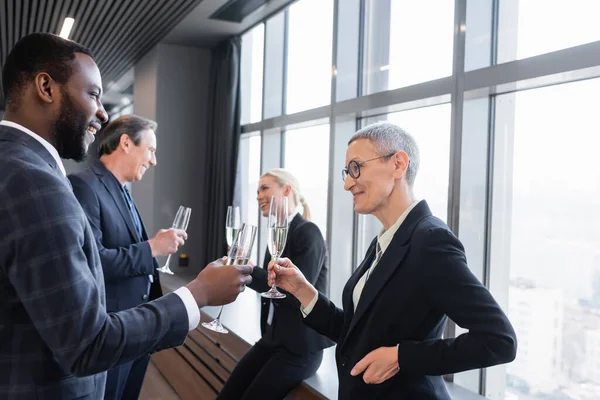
{"type": "Point", "coordinates": [359, 165]}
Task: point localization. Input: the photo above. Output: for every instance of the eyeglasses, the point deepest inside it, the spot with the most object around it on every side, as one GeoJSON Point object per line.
{"type": "Point", "coordinates": [353, 168]}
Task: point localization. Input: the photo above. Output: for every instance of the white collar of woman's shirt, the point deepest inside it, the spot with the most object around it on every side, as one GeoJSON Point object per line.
{"type": "Point", "coordinates": [385, 237]}
{"type": "Point", "coordinates": [293, 215]}
{"type": "Point", "coordinates": [53, 152]}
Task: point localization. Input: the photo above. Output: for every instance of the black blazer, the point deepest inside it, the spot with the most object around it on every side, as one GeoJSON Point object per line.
{"type": "Point", "coordinates": [421, 279]}
{"type": "Point", "coordinates": [126, 257]}
{"type": "Point", "coordinates": [305, 245]}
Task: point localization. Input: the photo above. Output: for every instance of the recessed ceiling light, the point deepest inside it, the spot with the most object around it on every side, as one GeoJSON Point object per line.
{"type": "Point", "coordinates": [66, 28]}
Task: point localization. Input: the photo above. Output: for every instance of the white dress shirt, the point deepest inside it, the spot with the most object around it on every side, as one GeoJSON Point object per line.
{"type": "Point", "coordinates": [184, 293]}
{"type": "Point", "coordinates": [384, 238]}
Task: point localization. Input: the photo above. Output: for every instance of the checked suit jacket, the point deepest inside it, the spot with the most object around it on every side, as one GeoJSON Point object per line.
{"type": "Point", "coordinates": [56, 337]}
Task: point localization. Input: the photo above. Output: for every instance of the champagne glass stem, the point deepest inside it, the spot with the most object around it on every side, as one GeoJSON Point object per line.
{"type": "Point", "coordinates": [215, 324]}
{"type": "Point", "coordinates": [273, 258]}
{"type": "Point", "coordinates": [165, 268]}
{"type": "Point", "coordinates": [168, 259]}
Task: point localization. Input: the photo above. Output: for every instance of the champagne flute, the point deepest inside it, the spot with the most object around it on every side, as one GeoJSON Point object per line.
{"type": "Point", "coordinates": [181, 221]}
{"type": "Point", "coordinates": [241, 250]}
{"type": "Point", "coordinates": [278, 227]}
{"type": "Point", "coordinates": [232, 224]}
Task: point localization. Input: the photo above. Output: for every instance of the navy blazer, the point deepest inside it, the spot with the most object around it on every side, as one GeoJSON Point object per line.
{"type": "Point", "coordinates": [420, 281]}
{"type": "Point", "coordinates": [305, 245]}
{"type": "Point", "coordinates": [126, 257]}
{"type": "Point", "coordinates": [56, 337]}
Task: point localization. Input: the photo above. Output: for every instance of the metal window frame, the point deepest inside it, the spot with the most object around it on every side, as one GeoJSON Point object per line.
{"type": "Point", "coordinates": [557, 67]}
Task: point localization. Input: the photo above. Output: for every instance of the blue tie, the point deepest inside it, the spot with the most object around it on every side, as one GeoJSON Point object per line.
{"type": "Point", "coordinates": [136, 222]}
{"type": "Point", "coordinates": [134, 214]}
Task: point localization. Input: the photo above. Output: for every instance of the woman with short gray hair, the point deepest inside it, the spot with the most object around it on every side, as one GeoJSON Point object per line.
{"type": "Point", "coordinates": [389, 331]}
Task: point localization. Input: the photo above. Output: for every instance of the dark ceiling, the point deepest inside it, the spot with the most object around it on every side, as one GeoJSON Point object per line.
{"type": "Point", "coordinates": [205, 27]}
{"type": "Point", "coordinates": [119, 32]}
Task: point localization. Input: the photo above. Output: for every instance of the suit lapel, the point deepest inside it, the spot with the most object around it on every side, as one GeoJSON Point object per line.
{"type": "Point", "coordinates": [347, 300]}
{"type": "Point", "coordinates": [111, 185]}
{"type": "Point", "coordinates": [292, 226]}
{"type": "Point", "coordinates": [390, 262]}
{"type": "Point", "coordinates": [144, 232]}
{"type": "Point", "coordinates": [10, 134]}
{"type": "Point", "coordinates": [267, 259]}
{"type": "Point", "coordinates": [145, 236]}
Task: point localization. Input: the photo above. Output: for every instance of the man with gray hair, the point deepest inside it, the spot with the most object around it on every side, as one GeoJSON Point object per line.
{"type": "Point", "coordinates": [413, 278]}
{"type": "Point", "coordinates": [127, 149]}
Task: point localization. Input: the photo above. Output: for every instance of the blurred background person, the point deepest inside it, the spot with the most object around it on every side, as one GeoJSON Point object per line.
{"type": "Point", "coordinates": [288, 351]}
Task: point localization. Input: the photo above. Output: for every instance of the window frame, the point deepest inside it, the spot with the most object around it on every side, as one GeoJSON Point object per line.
{"type": "Point", "coordinates": [477, 78]}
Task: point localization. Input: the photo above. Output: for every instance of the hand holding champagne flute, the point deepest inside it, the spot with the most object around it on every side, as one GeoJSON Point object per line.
{"type": "Point", "coordinates": [283, 273]}
{"type": "Point", "coordinates": [239, 254]}
{"type": "Point", "coordinates": [219, 284]}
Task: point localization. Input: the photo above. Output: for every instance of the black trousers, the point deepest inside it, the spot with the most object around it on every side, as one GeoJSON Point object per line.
{"type": "Point", "coordinates": [267, 372]}
{"type": "Point", "coordinates": [124, 382]}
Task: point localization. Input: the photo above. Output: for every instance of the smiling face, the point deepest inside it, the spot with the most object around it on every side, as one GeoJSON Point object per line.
{"type": "Point", "coordinates": [377, 179]}
{"type": "Point", "coordinates": [81, 112]}
{"type": "Point", "coordinates": [141, 157]}
{"type": "Point", "coordinates": [268, 187]}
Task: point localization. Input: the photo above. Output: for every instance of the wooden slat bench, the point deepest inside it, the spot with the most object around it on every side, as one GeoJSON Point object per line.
{"type": "Point", "coordinates": [199, 368]}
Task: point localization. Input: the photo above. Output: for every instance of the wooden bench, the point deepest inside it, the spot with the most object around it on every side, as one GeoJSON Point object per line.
{"type": "Point", "coordinates": [199, 368]}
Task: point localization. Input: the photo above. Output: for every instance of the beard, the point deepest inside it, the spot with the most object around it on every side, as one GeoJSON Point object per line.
{"type": "Point", "coordinates": [70, 130]}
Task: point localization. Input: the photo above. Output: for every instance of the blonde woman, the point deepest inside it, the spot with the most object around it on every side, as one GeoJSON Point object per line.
{"type": "Point", "coordinates": [288, 351]}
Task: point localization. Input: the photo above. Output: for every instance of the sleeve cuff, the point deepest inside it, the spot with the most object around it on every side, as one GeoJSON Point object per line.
{"type": "Point", "coordinates": [193, 311]}
{"type": "Point", "coordinates": [306, 310]}
{"type": "Point", "coordinates": [150, 260]}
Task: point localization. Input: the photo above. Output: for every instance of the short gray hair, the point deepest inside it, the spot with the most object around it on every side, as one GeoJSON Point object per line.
{"type": "Point", "coordinates": [389, 138]}
{"type": "Point", "coordinates": [130, 125]}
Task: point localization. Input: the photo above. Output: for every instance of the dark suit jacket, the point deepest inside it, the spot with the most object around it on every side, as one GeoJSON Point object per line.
{"type": "Point", "coordinates": [421, 279]}
{"type": "Point", "coordinates": [305, 245]}
{"type": "Point", "coordinates": [56, 337]}
{"type": "Point", "coordinates": [126, 257]}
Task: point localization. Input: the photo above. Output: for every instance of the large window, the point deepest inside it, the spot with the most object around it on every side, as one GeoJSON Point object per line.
{"type": "Point", "coordinates": [406, 42]}
{"type": "Point", "coordinates": [532, 27]}
{"type": "Point", "coordinates": [546, 235]}
{"type": "Point", "coordinates": [307, 158]}
{"type": "Point", "coordinates": [310, 37]}
{"type": "Point", "coordinates": [251, 74]}
{"type": "Point", "coordinates": [507, 152]}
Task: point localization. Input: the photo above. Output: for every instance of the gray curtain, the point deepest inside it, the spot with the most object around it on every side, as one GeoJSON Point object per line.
{"type": "Point", "coordinates": [223, 142]}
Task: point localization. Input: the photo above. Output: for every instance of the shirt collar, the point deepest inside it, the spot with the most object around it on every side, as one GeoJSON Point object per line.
{"type": "Point", "coordinates": [385, 237]}
{"type": "Point", "coordinates": [51, 149]}
{"type": "Point", "coordinates": [293, 215]}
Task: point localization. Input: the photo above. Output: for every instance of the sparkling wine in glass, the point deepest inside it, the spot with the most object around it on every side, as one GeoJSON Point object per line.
{"type": "Point", "coordinates": [239, 254]}
{"type": "Point", "coordinates": [278, 228]}
{"type": "Point", "coordinates": [232, 224]}
{"type": "Point", "coordinates": [181, 221]}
